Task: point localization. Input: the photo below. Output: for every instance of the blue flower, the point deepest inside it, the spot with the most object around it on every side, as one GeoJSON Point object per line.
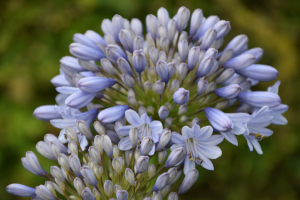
{"type": "Point", "coordinates": [200, 146]}
{"type": "Point", "coordinates": [256, 128]}
{"type": "Point", "coordinates": [278, 119]}
{"type": "Point", "coordinates": [146, 128]}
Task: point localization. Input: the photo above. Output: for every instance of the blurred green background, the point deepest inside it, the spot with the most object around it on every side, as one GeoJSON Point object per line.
{"type": "Point", "coordinates": [35, 34]}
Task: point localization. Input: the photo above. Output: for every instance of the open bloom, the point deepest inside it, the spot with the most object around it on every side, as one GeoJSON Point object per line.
{"type": "Point", "coordinates": [146, 128]}
{"type": "Point", "coordinates": [256, 128]}
{"type": "Point", "coordinates": [200, 146]}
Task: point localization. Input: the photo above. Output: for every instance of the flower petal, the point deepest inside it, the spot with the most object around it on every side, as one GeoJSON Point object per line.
{"type": "Point", "coordinates": [212, 140]}
{"type": "Point", "coordinates": [230, 138]}
{"type": "Point", "coordinates": [125, 144]}
{"type": "Point", "coordinates": [124, 130]}
{"type": "Point", "coordinates": [151, 153]}
{"type": "Point", "coordinates": [255, 144]}
{"type": "Point", "coordinates": [209, 151]}
{"type": "Point", "coordinates": [187, 132]}
{"type": "Point", "coordinates": [145, 118]}
{"type": "Point", "coordinates": [133, 118]}
{"type": "Point", "coordinates": [177, 138]}
{"type": "Point", "coordinates": [205, 133]}
{"type": "Point", "coordinates": [175, 146]}
{"type": "Point", "coordinates": [156, 126]}
{"type": "Point", "coordinates": [188, 165]}
{"type": "Point", "coordinates": [62, 123]}
{"type": "Point", "coordinates": [207, 164]}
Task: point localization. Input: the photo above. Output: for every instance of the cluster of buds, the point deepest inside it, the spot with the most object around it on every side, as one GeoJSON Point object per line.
{"type": "Point", "coordinates": [126, 99]}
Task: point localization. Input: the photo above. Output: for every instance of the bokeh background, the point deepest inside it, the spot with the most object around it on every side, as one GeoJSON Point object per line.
{"type": "Point", "coordinates": [35, 34]}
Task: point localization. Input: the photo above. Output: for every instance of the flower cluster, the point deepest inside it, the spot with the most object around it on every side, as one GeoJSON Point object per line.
{"type": "Point", "coordinates": [126, 98]}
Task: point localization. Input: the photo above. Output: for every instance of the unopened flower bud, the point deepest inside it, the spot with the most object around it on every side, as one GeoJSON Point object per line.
{"type": "Point", "coordinates": [163, 112]}
{"type": "Point", "coordinates": [139, 61]}
{"type": "Point", "coordinates": [189, 180]}
{"type": "Point", "coordinates": [146, 146]}
{"type": "Point", "coordinates": [182, 70]}
{"type": "Point", "coordinates": [147, 85]}
{"type": "Point", "coordinates": [137, 154]}
{"type": "Point", "coordinates": [107, 145]}
{"type": "Point", "coordinates": [96, 194]}
{"type": "Point", "coordinates": [222, 27]}
{"type": "Point", "coordinates": [54, 148]}
{"type": "Point", "coordinates": [156, 196]}
{"type": "Point", "coordinates": [164, 140]}
{"type": "Point", "coordinates": [50, 187]}
{"type": "Point", "coordinates": [88, 175]}
{"type": "Point", "coordinates": [95, 154]}
{"type": "Point", "coordinates": [153, 54]}
{"type": "Point", "coordinates": [208, 39]}
{"type": "Point", "coordinates": [162, 56]}
{"type": "Point", "coordinates": [196, 20]}
{"type": "Point", "coordinates": [129, 175]}
{"type": "Point", "coordinates": [113, 52]}
{"type": "Point", "coordinates": [87, 194]}
{"type": "Point", "coordinates": [20, 190]}
{"type": "Point", "coordinates": [158, 87]}
{"type": "Point", "coordinates": [226, 75]}
{"type": "Point", "coordinates": [151, 170]}
{"type": "Point", "coordinates": [162, 70]}
{"type": "Point", "coordinates": [43, 193]}
{"type": "Point", "coordinates": [195, 121]}
{"type": "Point", "coordinates": [63, 161]}
{"type": "Point", "coordinates": [138, 43]}
{"type": "Point", "coordinates": [183, 49]}
{"type": "Point", "coordinates": [142, 164]}
{"type": "Point", "coordinates": [108, 187]}
{"type": "Point", "coordinates": [31, 163]}
{"type": "Point", "coordinates": [168, 122]}
{"type": "Point", "coordinates": [162, 155]}
{"type": "Point", "coordinates": [122, 195]}
{"type": "Point", "coordinates": [161, 181]}
{"type": "Point", "coordinates": [108, 67]}
{"type": "Point", "coordinates": [98, 171]}
{"type": "Point", "coordinates": [133, 135]}
{"type": "Point", "coordinates": [175, 157]}
{"type": "Point", "coordinates": [165, 190]}
{"type": "Point", "coordinates": [127, 80]}
{"type": "Point", "coordinates": [240, 62]}
{"type": "Point", "coordinates": [97, 143]}
{"type": "Point", "coordinates": [182, 109]}
{"type": "Point", "coordinates": [183, 16]}
{"type": "Point", "coordinates": [173, 196]}
{"type": "Point", "coordinates": [44, 150]}
{"type": "Point", "coordinates": [181, 96]}
{"type": "Point", "coordinates": [84, 129]}
{"type": "Point", "coordinates": [71, 134]}
{"type": "Point", "coordinates": [228, 92]}
{"type": "Point", "coordinates": [79, 185]}
{"type": "Point", "coordinates": [124, 66]}
{"type": "Point", "coordinates": [152, 25]}
{"type": "Point", "coordinates": [126, 40]}
{"type": "Point", "coordinates": [175, 85]}
{"type": "Point", "coordinates": [118, 164]}
{"type": "Point", "coordinates": [260, 99]}
{"type": "Point", "coordinates": [99, 128]}
{"type": "Point", "coordinates": [56, 173]}
{"type": "Point", "coordinates": [193, 57]}
{"type": "Point", "coordinates": [72, 146]}
{"type": "Point", "coordinates": [115, 151]}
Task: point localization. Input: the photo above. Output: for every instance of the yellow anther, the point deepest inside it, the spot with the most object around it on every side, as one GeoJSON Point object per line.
{"type": "Point", "coordinates": [191, 159]}
{"type": "Point", "coordinates": [257, 135]}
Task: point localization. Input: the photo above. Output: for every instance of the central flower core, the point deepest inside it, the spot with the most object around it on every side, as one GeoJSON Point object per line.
{"type": "Point", "coordinates": [145, 131]}
{"type": "Point", "coordinates": [192, 150]}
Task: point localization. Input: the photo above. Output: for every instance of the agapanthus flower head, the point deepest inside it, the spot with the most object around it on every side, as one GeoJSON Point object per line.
{"type": "Point", "coordinates": [127, 96]}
